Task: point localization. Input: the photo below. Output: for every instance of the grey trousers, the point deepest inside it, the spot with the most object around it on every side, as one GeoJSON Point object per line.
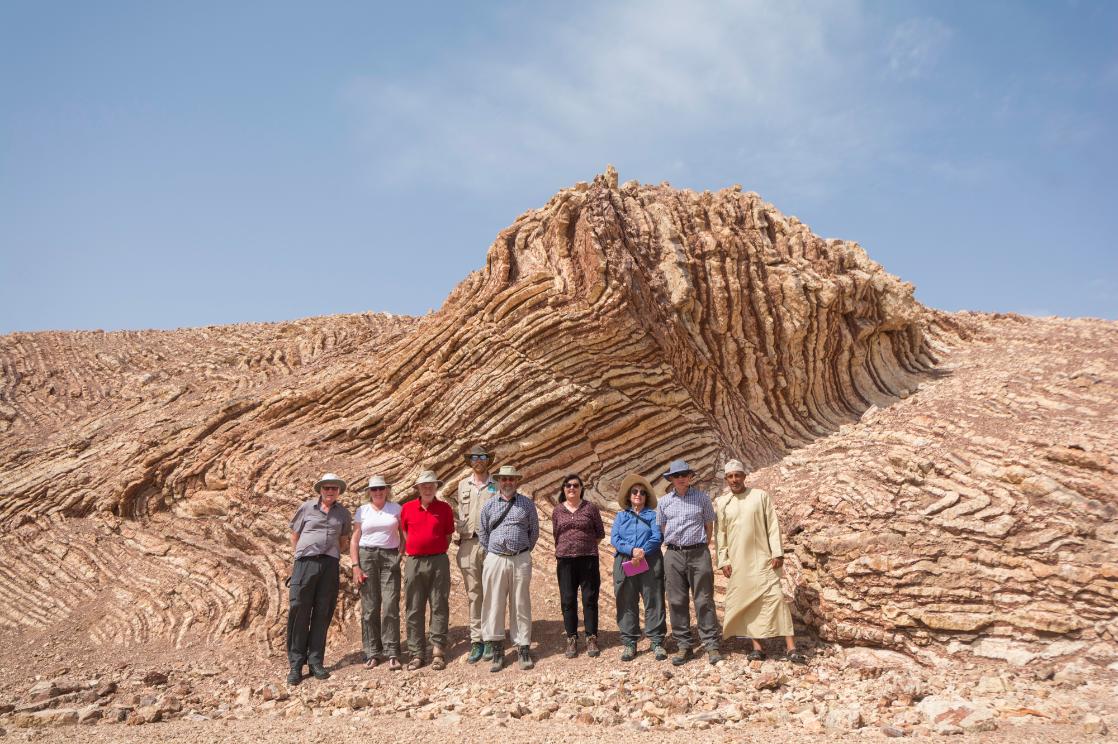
{"type": "Point", "coordinates": [427, 583]}
{"type": "Point", "coordinates": [313, 595]}
{"type": "Point", "coordinates": [380, 602]}
{"type": "Point", "coordinates": [630, 591]}
{"type": "Point", "coordinates": [471, 558]}
{"type": "Point", "coordinates": [687, 573]}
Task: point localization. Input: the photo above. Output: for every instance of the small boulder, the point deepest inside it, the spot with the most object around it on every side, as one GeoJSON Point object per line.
{"type": "Point", "coordinates": [153, 678]}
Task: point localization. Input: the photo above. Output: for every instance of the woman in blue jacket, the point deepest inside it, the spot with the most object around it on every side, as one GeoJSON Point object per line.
{"type": "Point", "coordinates": [636, 538]}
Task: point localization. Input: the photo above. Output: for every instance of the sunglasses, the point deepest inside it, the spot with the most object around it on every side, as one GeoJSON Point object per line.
{"type": "Point", "coordinates": [329, 488]}
{"type": "Point", "coordinates": [571, 485]}
{"type": "Point", "coordinates": [506, 478]}
{"type": "Point", "coordinates": [476, 458]}
{"type": "Point", "coordinates": [638, 492]}
{"type": "Point", "coordinates": [378, 488]}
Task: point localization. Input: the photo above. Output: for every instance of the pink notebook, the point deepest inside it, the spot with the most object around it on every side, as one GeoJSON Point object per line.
{"type": "Point", "coordinates": [631, 569]}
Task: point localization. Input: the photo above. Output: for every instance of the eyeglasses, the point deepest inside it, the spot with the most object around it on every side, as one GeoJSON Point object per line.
{"type": "Point", "coordinates": [476, 458]}
{"type": "Point", "coordinates": [504, 478]}
{"type": "Point", "coordinates": [638, 492]}
{"type": "Point", "coordinates": [378, 488]}
{"type": "Point", "coordinates": [571, 485]}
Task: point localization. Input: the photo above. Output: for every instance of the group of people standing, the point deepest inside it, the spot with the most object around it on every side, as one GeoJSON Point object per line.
{"type": "Point", "coordinates": [661, 549]}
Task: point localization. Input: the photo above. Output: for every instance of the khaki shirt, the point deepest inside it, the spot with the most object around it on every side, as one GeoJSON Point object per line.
{"type": "Point", "coordinates": [471, 497]}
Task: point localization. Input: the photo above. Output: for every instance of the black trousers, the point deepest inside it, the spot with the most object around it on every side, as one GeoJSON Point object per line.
{"type": "Point", "coordinates": [313, 597]}
{"type": "Point", "coordinates": [575, 574]}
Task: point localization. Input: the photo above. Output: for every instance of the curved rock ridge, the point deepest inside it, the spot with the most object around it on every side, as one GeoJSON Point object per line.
{"type": "Point", "coordinates": [614, 329]}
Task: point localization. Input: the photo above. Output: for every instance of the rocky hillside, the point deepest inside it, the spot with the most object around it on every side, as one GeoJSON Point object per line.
{"type": "Point", "coordinates": [946, 481]}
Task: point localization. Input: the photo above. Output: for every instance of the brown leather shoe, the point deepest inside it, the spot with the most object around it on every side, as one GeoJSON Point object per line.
{"type": "Point", "coordinates": [592, 646]}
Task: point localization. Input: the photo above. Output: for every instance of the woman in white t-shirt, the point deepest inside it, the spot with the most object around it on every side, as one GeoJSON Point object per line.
{"type": "Point", "coordinates": [375, 552]}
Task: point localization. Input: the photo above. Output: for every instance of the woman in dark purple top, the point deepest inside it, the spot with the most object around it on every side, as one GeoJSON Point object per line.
{"type": "Point", "coordinates": [577, 527]}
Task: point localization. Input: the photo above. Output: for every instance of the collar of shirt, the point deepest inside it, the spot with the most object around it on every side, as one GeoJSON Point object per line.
{"type": "Point", "coordinates": [319, 506]}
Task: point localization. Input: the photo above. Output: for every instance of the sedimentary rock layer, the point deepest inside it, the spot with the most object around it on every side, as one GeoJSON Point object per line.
{"type": "Point", "coordinates": [614, 329]}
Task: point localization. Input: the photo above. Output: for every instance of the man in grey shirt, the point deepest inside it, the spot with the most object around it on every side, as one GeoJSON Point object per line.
{"type": "Point", "coordinates": [319, 531]}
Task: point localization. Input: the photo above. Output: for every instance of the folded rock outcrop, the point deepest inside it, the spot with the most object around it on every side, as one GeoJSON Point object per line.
{"type": "Point", "coordinates": [146, 478]}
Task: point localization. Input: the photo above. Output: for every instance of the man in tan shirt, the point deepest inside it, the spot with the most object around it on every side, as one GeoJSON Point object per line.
{"type": "Point", "coordinates": [473, 492]}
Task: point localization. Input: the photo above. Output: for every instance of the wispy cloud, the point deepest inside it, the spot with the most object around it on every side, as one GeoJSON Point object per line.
{"type": "Point", "coordinates": [775, 84]}
{"type": "Point", "coordinates": [916, 45]}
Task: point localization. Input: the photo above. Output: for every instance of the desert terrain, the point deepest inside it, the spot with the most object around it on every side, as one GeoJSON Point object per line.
{"type": "Point", "coordinates": [947, 485]}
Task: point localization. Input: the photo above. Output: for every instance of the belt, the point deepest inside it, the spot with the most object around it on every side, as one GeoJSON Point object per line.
{"type": "Point", "coordinates": [318, 557]}
{"type": "Point", "coordinates": [509, 555]}
{"type": "Point", "coordinates": [686, 547]}
{"type": "Point", "coordinates": [374, 547]}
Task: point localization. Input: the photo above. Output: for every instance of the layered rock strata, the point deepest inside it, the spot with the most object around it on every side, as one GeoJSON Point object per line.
{"type": "Point", "coordinates": [151, 474]}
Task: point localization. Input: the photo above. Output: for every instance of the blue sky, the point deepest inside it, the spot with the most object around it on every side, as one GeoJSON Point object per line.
{"type": "Point", "coordinates": [184, 164]}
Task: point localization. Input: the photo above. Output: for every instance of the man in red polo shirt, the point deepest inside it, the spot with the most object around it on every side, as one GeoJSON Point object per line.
{"type": "Point", "coordinates": [428, 524]}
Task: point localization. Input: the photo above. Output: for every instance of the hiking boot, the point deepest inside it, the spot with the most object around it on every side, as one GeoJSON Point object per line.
{"type": "Point", "coordinates": [476, 650]}
{"type": "Point", "coordinates": [572, 647]}
{"type": "Point", "coordinates": [487, 651]}
{"type": "Point", "coordinates": [319, 671]}
{"type": "Point", "coordinates": [713, 656]}
{"type": "Point", "coordinates": [685, 655]}
{"type": "Point", "coordinates": [659, 651]}
{"type": "Point", "coordinates": [498, 651]}
{"type": "Point", "coordinates": [629, 653]}
{"type": "Point", "coordinates": [592, 649]}
{"type": "Point", "coordinates": [796, 657]}
{"type": "Point", "coordinates": [295, 676]}
{"type": "Point", "coordinates": [526, 661]}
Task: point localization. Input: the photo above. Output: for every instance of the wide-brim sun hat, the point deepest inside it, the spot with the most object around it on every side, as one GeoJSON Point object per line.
{"type": "Point", "coordinates": [329, 479]}
{"type": "Point", "coordinates": [634, 479]}
{"type": "Point", "coordinates": [678, 467]}
{"type": "Point", "coordinates": [507, 471]}
{"type": "Point", "coordinates": [477, 449]}
{"type": "Point", "coordinates": [377, 481]}
{"type": "Point", "coordinates": [428, 476]}
{"type": "Point", "coordinates": [734, 466]}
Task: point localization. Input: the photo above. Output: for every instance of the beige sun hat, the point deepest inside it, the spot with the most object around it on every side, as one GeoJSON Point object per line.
{"type": "Point", "coordinates": [734, 466]}
{"type": "Point", "coordinates": [508, 471]}
{"type": "Point", "coordinates": [329, 479]}
{"type": "Point", "coordinates": [632, 479]}
{"type": "Point", "coordinates": [479, 451]}
{"type": "Point", "coordinates": [428, 476]}
{"type": "Point", "coordinates": [377, 481]}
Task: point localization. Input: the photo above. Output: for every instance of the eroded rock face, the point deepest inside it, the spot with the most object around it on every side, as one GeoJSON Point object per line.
{"type": "Point", "coordinates": [977, 515]}
{"type": "Point", "coordinates": [614, 329]}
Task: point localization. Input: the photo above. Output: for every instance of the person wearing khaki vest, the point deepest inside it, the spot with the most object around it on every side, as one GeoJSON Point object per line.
{"type": "Point", "coordinates": [473, 491]}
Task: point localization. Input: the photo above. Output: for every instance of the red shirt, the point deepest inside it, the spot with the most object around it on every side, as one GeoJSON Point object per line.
{"type": "Point", "coordinates": [426, 530]}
